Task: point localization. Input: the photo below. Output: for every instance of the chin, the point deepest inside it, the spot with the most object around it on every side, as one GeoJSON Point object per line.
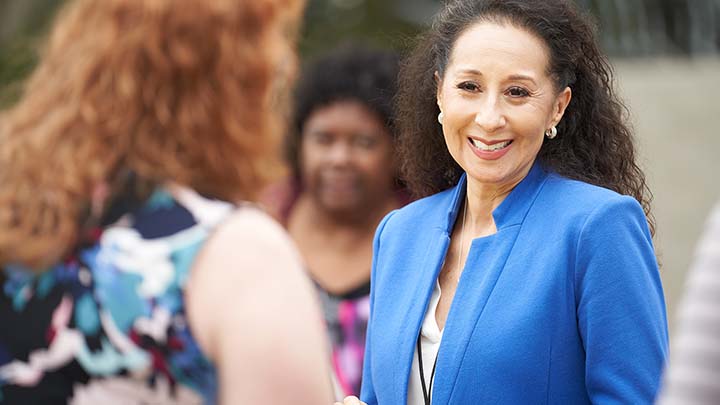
{"type": "Point", "coordinates": [340, 207]}
{"type": "Point", "coordinates": [487, 176]}
{"type": "Point", "coordinates": [497, 175]}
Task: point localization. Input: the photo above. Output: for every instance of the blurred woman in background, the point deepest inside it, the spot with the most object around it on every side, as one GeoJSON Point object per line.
{"type": "Point", "coordinates": [127, 274]}
{"type": "Point", "coordinates": [344, 180]}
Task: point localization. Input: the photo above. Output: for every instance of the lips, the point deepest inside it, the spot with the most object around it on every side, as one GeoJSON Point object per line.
{"type": "Point", "coordinates": [339, 182]}
{"type": "Point", "coordinates": [489, 150]}
{"type": "Point", "coordinates": [491, 147]}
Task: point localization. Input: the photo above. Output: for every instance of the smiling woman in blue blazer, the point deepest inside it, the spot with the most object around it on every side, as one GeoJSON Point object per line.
{"type": "Point", "coordinates": [527, 275]}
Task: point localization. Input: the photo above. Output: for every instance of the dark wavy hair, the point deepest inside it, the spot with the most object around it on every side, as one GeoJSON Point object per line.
{"type": "Point", "coordinates": [595, 142]}
{"type": "Point", "coordinates": [352, 71]}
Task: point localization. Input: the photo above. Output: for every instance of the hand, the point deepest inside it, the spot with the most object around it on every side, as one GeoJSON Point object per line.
{"type": "Point", "coordinates": [351, 401]}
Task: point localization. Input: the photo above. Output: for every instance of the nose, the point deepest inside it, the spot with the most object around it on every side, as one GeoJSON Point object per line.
{"type": "Point", "coordinates": [490, 116]}
{"type": "Point", "coordinates": [339, 153]}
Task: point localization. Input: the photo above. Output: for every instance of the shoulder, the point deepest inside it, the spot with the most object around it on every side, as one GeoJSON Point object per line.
{"type": "Point", "coordinates": [421, 212]}
{"type": "Point", "coordinates": [252, 226]}
{"type": "Point", "coordinates": [581, 202]}
{"type": "Point", "coordinates": [602, 225]}
{"type": "Point", "coordinates": [587, 219]}
{"type": "Point", "coordinates": [576, 193]}
{"type": "Point", "coordinates": [248, 261]}
{"type": "Point", "coordinates": [249, 244]}
{"type": "Point", "coordinates": [249, 277]}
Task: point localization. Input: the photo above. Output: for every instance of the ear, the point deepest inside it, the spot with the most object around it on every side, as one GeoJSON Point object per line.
{"type": "Point", "coordinates": [561, 103]}
{"type": "Point", "coordinates": [438, 88]}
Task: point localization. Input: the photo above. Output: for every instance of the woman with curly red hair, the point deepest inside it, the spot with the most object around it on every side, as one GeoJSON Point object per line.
{"type": "Point", "coordinates": [128, 273]}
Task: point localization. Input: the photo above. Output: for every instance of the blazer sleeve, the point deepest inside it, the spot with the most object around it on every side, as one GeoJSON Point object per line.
{"type": "Point", "coordinates": [620, 305]}
{"type": "Point", "coordinates": [367, 390]}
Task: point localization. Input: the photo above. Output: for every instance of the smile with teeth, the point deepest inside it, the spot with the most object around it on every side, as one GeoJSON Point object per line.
{"type": "Point", "coordinates": [489, 148]}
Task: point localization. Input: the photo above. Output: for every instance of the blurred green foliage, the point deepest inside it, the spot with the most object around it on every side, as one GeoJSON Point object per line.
{"type": "Point", "coordinates": [627, 28]}
{"type": "Point", "coordinates": [16, 62]}
{"type": "Point", "coordinates": [23, 24]}
{"type": "Point", "coordinates": [328, 22]}
{"type": "Point", "coordinates": [378, 22]}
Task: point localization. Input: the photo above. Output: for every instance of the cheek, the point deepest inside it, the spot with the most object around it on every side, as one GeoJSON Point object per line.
{"type": "Point", "coordinates": [458, 116]}
{"type": "Point", "coordinates": [454, 140]}
{"type": "Point", "coordinates": [539, 113]}
{"type": "Point", "coordinates": [309, 161]}
{"type": "Point", "coordinates": [529, 120]}
{"type": "Point", "coordinates": [378, 164]}
{"type": "Point", "coordinates": [533, 128]}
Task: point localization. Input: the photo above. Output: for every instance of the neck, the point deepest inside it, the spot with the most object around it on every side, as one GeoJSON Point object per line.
{"type": "Point", "coordinates": [482, 200]}
{"type": "Point", "coordinates": [356, 221]}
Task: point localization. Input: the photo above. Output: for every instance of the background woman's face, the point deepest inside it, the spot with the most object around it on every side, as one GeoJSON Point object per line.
{"type": "Point", "coordinates": [346, 157]}
{"type": "Point", "coordinates": [497, 100]}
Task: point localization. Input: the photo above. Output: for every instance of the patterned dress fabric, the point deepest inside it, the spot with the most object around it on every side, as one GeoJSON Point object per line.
{"type": "Point", "coordinates": [346, 317]}
{"type": "Point", "coordinates": [108, 324]}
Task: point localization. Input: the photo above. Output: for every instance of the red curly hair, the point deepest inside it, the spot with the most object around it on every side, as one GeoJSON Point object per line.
{"type": "Point", "coordinates": [189, 92]}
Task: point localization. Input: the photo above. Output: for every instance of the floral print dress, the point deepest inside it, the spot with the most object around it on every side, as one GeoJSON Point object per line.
{"type": "Point", "coordinates": [108, 324]}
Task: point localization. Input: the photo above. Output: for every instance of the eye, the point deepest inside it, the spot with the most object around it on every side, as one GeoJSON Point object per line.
{"type": "Point", "coordinates": [468, 86]}
{"type": "Point", "coordinates": [517, 92]}
{"type": "Point", "coordinates": [321, 138]}
{"type": "Point", "coordinates": [365, 141]}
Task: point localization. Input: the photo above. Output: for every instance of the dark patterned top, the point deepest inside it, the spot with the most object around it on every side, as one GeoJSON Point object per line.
{"type": "Point", "coordinates": [346, 317]}
{"type": "Point", "coordinates": [109, 322]}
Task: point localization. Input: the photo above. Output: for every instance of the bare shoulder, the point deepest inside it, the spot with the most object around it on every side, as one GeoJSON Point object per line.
{"type": "Point", "coordinates": [250, 245]}
{"type": "Point", "coordinates": [254, 313]}
{"type": "Point", "coordinates": [250, 229]}
{"type": "Point", "coordinates": [248, 260]}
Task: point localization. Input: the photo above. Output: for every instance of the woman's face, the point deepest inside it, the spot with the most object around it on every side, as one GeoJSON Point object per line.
{"type": "Point", "coordinates": [498, 100]}
{"type": "Point", "coordinates": [346, 158]}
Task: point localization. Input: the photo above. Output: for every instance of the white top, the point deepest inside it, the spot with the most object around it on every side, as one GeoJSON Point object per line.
{"type": "Point", "coordinates": [431, 335]}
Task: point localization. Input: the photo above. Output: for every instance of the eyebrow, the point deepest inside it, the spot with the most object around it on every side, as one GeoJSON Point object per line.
{"type": "Point", "coordinates": [512, 77]}
{"type": "Point", "coordinates": [471, 71]}
{"type": "Point", "coordinates": [522, 77]}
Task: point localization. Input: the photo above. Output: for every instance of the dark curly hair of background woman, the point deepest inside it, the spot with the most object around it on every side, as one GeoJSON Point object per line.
{"type": "Point", "coordinates": [351, 72]}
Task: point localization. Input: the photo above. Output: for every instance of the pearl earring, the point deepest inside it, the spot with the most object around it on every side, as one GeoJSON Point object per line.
{"type": "Point", "coordinates": [551, 133]}
{"type": "Point", "coordinates": [440, 117]}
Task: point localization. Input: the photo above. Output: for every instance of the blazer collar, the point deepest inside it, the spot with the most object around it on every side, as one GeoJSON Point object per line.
{"type": "Point", "coordinates": [512, 209]}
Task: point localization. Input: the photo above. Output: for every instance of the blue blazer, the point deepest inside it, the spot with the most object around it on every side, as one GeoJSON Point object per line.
{"type": "Point", "coordinates": [563, 305]}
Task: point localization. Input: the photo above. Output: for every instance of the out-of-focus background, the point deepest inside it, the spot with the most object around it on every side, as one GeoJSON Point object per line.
{"type": "Point", "coordinates": [667, 59]}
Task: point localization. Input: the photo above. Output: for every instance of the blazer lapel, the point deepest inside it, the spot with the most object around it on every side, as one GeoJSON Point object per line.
{"type": "Point", "coordinates": [483, 267]}
{"type": "Point", "coordinates": [423, 271]}
{"type": "Point", "coordinates": [427, 274]}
